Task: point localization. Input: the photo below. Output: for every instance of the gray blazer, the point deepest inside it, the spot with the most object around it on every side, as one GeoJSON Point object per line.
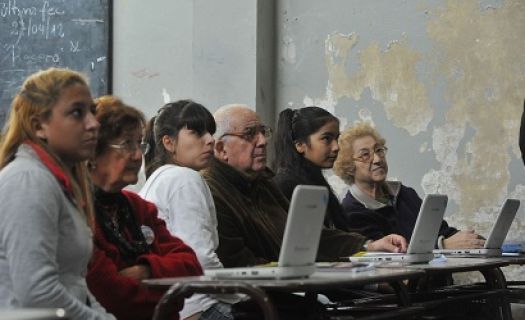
{"type": "Point", "coordinates": [45, 243]}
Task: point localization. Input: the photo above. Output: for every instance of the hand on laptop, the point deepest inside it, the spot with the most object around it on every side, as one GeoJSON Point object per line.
{"type": "Point", "coordinates": [464, 239]}
{"type": "Point", "coordinates": [390, 243]}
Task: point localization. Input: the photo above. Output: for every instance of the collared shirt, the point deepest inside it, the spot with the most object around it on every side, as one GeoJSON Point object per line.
{"type": "Point", "coordinates": [376, 219]}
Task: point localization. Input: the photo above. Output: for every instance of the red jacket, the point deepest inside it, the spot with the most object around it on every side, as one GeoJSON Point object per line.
{"type": "Point", "coordinates": [125, 297]}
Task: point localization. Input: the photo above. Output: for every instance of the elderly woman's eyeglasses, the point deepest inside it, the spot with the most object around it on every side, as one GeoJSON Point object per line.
{"type": "Point", "coordinates": [366, 155]}
{"type": "Point", "coordinates": [131, 146]}
{"type": "Point", "coordinates": [250, 133]}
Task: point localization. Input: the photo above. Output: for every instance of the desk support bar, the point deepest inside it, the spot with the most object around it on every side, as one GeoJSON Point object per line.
{"type": "Point", "coordinates": [164, 309]}
{"type": "Point", "coordinates": [496, 279]}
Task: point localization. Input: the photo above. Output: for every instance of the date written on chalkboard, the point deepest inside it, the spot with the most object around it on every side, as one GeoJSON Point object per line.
{"type": "Point", "coordinates": [33, 20]}
{"type": "Point", "coordinates": [38, 34]}
{"type": "Point", "coordinates": [30, 22]}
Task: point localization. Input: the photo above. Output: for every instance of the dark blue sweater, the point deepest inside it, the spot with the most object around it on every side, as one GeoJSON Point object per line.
{"type": "Point", "coordinates": [399, 218]}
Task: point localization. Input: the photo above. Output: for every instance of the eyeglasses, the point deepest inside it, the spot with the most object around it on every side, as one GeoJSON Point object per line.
{"type": "Point", "coordinates": [250, 133]}
{"type": "Point", "coordinates": [366, 155]}
{"type": "Point", "coordinates": [131, 146]}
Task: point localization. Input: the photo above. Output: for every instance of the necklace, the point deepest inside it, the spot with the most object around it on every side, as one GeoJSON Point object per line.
{"type": "Point", "coordinates": [119, 225]}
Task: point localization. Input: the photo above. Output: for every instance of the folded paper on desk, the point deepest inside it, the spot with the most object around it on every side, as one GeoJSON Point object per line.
{"type": "Point", "coordinates": [344, 266]}
{"type": "Point", "coordinates": [513, 247]}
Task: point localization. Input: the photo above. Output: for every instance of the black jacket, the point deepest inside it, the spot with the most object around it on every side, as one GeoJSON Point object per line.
{"type": "Point", "coordinates": [287, 179]}
{"type": "Point", "coordinates": [251, 217]}
{"type": "Point", "coordinates": [399, 217]}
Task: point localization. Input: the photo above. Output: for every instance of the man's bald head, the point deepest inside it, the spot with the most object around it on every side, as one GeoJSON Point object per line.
{"type": "Point", "coordinates": [228, 117]}
{"type": "Point", "coordinates": [234, 144]}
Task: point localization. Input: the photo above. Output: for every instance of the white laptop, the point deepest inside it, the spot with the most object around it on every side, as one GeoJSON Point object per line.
{"type": "Point", "coordinates": [423, 237]}
{"type": "Point", "coordinates": [300, 241]}
{"type": "Point", "coordinates": [496, 237]}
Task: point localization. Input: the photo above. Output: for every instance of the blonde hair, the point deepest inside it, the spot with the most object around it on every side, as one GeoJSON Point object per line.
{"type": "Point", "coordinates": [344, 165]}
{"type": "Point", "coordinates": [39, 94]}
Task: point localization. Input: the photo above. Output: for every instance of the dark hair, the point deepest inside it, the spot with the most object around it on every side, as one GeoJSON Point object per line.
{"type": "Point", "coordinates": [297, 126]}
{"type": "Point", "coordinates": [170, 119]}
{"type": "Point", "coordinates": [115, 117]}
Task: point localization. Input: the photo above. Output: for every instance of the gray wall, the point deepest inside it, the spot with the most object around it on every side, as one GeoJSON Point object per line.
{"type": "Point", "coordinates": [199, 49]}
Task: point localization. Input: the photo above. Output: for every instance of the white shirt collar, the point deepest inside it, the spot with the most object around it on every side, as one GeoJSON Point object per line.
{"type": "Point", "coordinates": [393, 188]}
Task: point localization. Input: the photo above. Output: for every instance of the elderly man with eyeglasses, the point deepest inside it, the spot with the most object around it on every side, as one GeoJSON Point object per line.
{"type": "Point", "coordinates": [376, 207]}
{"type": "Point", "coordinates": [251, 211]}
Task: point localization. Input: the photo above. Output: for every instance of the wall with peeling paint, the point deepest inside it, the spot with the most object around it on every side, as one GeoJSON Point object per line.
{"type": "Point", "coordinates": [443, 81]}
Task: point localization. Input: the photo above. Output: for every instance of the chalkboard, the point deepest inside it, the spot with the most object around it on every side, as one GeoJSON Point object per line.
{"type": "Point", "coordinates": [38, 34]}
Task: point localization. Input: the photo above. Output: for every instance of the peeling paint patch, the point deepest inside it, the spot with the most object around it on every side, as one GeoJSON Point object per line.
{"type": "Point", "coordinates": [423, 147]}
{"type": "Point", "coordinates": [389, 74]}
{"type": "Point", "coordinates": [482, 59]}
{"type": "Point", "coordinates": [144, 74]}
{"type": "Point", "coordinates": [343, 122]}
{"type": "Point", "coordinates": [366, 116]}
{"type": "Point", "coordinates": [288, 50]}
{"type": "Point", "coordinates": [166, 96]}
{"type": "Point", "coordinates": [328, 102]}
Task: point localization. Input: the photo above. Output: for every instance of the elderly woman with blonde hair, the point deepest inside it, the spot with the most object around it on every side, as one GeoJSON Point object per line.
{"type": "Point", "coordinates": [374, 206]}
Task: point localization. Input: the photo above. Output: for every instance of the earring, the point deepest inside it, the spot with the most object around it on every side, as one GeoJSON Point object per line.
{"type": "Point", "coordinates": [91, 164]}
{"type": "Point", "coordinates": [44, 139]}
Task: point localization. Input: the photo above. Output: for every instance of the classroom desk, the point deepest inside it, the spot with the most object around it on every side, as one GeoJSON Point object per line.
{"type": "Point", "coordinates": [489, 268]}
{"type": "Point", "coordinates": [515, 287]}
{"type": "Point", "coordinates": [33, 313]}
{"type": "Point", "coordinates": [514, 260]}
{"type": "Point", "coordinates": [256, 289]}
{"type": "Point", "coordinates": [495, 285]}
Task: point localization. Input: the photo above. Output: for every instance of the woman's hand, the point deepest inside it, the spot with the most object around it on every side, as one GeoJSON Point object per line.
{"type": "Point", "coordinates": [137, 272]}
{"type": "Point", "coordinates": [464, 239]}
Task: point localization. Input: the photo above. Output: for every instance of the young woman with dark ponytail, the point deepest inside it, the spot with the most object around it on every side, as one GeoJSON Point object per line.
{"type": "Point", "coordinates": [305, 144]}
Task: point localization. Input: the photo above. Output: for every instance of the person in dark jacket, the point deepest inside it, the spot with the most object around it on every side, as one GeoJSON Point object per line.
{"type": "Point", "coordinates": [374, 206]}
{"type": "Point", "coordinates": [251, 211]}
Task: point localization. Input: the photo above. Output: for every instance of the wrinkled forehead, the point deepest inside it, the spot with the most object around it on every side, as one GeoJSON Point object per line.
{"type": "Point", "coordinates": [244, 119]}
{"type": "Point", "coordinates": [364, 142]}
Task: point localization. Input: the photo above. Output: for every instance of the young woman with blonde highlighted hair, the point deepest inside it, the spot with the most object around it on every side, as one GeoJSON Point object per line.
{"type": "Point", "coordinates": [45, 204]}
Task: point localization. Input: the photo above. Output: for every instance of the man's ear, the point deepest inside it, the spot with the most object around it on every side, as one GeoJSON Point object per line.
{"type": "Point", "coordinates": [38, 127]}
{"type": "Point", "coordinates": [300, 147]}
{"type": "Point", "coordinates": [220, 150]}
{"type": "Point", "coordinates": [169, 143]}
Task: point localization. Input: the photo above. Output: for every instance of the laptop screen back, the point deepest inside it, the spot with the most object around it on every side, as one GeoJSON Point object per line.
{"type": "Point", "coordinates": [427, 224]}
{"type": "Point", "coordinates": [503, 222]}
{"type": "Point", "coordinates": [303, 226]}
